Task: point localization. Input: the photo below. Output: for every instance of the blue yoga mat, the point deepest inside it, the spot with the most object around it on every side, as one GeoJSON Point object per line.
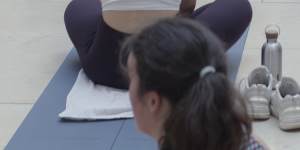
{"type": "Point", "coordinates": [43, 130]}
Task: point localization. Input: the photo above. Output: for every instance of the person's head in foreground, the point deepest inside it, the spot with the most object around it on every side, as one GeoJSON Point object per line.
{"type": "Point", "coordinates": [179, 88]}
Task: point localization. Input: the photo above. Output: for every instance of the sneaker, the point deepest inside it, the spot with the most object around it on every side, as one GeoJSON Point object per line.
{"type": "Point", "coordinates": [257, 90]}
{"type": "Point", "coordinates": [285, 103]}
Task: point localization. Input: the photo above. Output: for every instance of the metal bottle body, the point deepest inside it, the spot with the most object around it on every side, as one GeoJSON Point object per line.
{"type": "Point", "coordinates": [272, 58]}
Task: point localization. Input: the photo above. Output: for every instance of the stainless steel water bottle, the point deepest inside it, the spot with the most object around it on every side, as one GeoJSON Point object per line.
{"type": "Point", "coordinates": [272, 53]}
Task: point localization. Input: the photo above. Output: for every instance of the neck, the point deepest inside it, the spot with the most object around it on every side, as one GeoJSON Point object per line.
{"type": "Point", "coordinates": [271, 40]}
{"type": "Point", "coordinates": [158, 130]}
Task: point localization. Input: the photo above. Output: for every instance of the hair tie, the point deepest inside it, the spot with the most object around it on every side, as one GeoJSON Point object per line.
{"type": "Point", "coordinates": [206, 70]}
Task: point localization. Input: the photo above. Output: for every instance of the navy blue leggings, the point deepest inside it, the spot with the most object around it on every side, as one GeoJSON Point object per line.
{"type": "Point", "coordinates": [98, 44]}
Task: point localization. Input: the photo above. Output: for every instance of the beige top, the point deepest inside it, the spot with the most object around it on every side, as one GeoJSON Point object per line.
{"type": "Point", "coordinates": [130, 16]}
{"type": "Point", "coordinates": [140, 4]}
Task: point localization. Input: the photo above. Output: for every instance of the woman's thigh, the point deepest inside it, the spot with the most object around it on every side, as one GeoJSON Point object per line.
{"type": "Point", "coordinates": [228, 19]}
{"type": "Point", "coordinates": [101, 62]}
{"type": "Point", "coordinates": [97, 44]}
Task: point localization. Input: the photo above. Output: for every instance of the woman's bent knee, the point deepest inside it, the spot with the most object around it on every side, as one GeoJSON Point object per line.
{"type": "Point", "coordinates": [245, 11]}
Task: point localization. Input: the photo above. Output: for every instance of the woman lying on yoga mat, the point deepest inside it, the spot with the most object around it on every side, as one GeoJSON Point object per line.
{"type": "Point", "coordinates": [97, 27]}
{"type": "Point", "coordinates": [180, 93]}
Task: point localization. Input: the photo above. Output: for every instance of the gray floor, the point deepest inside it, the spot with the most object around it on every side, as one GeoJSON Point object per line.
{"type": "Point", "coordinates": [34, 43]}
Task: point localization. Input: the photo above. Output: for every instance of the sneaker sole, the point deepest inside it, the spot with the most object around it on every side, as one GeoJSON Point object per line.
{"type": "Point", "coordinates": [290, 120]}
{"type": "Point", "coordinates": [259, 111]}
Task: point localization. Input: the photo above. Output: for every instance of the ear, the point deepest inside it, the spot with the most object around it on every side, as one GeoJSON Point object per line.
{"type": "Point", "coordinates": [153, 101]}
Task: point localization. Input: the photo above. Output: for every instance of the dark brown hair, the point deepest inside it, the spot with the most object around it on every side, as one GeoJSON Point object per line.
{"type": "Point", "coordinates": [206, 112]}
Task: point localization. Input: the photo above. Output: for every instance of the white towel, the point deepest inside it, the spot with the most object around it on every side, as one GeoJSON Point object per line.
{"type": "Point", "coordinates": [87, 101]}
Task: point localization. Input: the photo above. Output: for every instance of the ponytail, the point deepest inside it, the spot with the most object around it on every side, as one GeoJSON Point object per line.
{"type": "Point", "coordinates": [208, 117]}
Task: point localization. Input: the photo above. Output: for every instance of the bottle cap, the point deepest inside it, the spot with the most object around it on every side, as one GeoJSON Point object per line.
{"type": "Point", "coordinates": [272, 31]}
